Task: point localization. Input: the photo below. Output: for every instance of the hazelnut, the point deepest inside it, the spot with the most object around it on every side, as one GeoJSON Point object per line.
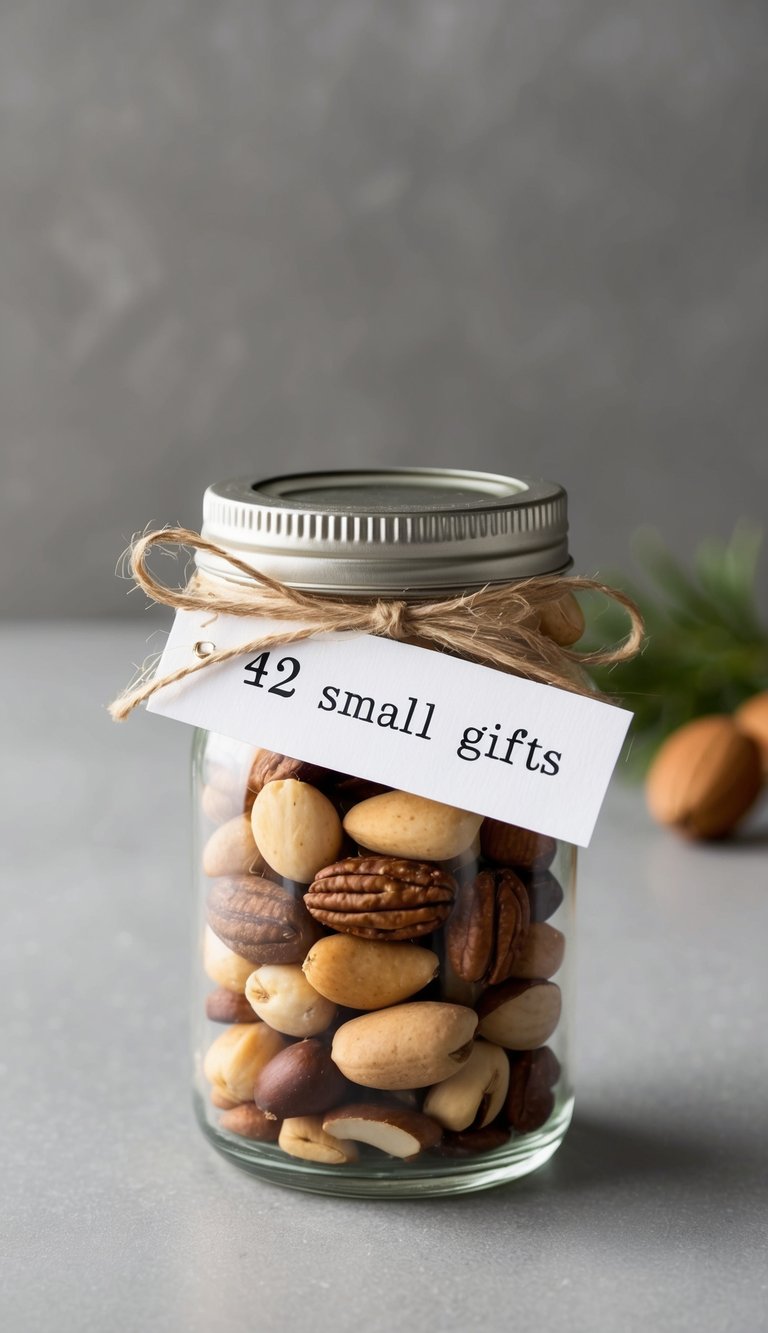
{"type": "Point", "coordinates": [562, 620]}
{"type": "Point", "coordinates": [250, 1122]}
{"type": "Point", "coordinates": [752, 719]}
{"type": "Point", "coordinates": [704, 778]}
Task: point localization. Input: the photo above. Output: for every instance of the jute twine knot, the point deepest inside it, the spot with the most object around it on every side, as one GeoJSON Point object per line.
{"type": "Point", "coordinates": [497, 626]}
{"type": "Point", "coordinates": [389, 619]}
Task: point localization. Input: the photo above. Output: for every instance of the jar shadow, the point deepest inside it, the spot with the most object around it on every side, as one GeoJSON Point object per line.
{"type": "Point", "coordinates": [596, 1152]}
{"type": "Point", "coordinates": [628, 1172]}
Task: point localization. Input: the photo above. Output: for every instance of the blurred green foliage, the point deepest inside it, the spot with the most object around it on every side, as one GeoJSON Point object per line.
{"type": "Point", "coordinates": [707, 650]}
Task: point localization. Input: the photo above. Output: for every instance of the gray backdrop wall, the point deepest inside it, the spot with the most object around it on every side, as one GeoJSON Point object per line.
{"type": "Point", "coordinates": [528, 235]}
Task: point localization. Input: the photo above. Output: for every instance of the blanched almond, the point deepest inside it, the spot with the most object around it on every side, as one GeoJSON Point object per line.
{"type": "Point", "coordinates": [296, 829]}
{"type": "Point", "coordinates": [368, 974]}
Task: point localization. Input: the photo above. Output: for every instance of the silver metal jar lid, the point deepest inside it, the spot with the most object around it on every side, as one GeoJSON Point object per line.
{"type": "Point", "coordinates": [397, 531]}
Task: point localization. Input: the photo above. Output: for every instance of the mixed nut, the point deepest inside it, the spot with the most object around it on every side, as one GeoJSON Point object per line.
{"type": "Point", "coordinates": [383, 964]}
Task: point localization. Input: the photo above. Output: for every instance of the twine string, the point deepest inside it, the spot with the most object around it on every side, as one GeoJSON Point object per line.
{"type": "Point", "coordinates": [497, 625]}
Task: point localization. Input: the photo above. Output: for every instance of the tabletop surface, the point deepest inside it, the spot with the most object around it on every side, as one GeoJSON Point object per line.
{"type": "Point", "coordinates": [116, 1214]}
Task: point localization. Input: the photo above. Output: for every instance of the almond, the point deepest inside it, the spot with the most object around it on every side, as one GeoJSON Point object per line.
{"type": "Point", "coordinates": [704, 778]}
{"type": "Point", "coordinates": [400, 824]}
{"type": "Point", "coordinates": [408, 1046]}
{"type": "Point", "coordinates": [520, 1015]}
{"type": "Point", "coordinates": [542, 952]}
{"type": "Point", "coordinates": [368, 974]}
{"type": "Point", "coordinates": [231, 850]}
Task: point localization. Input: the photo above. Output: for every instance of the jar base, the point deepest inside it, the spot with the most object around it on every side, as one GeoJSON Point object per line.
{"type": "Point", "coordinates": [394, 1180]}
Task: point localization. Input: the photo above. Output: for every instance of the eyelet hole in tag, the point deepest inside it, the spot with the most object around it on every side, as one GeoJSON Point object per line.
{"type": "Point", "coordinates": [204, 648]}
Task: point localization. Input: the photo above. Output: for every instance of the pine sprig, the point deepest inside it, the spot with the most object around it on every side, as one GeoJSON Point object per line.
{"type": "Point", "coordinates": [707, 650]}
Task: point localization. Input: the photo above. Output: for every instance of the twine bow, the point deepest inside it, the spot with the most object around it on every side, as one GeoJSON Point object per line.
{"type": "Point", "coordinates": [497, 625]}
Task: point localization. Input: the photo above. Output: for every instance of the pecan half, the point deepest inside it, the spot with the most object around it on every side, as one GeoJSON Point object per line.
{"type": "Point", "coordinates": [507, 844]}
{"type": "Point", "coordinates": [488, 926]}
{"type": "Point", "coordinates": [381, 897]}
{"type": "Point", "coordinates": [260, 920]}
{"type": "Point", "coordinates": [530, 1100]}
{"type": "Point", "coordinates": [269, 766]}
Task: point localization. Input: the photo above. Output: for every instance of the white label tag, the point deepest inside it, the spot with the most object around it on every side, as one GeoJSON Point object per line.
{"type": "Point", "coordinates": [421, 721]}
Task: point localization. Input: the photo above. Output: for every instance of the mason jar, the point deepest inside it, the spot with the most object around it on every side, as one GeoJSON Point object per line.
{"type": "Point", "coordinates": [384, 981]}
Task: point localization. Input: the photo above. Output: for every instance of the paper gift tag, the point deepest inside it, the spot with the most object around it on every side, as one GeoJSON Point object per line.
{"type": "Point", "coordinates": [417, 720]}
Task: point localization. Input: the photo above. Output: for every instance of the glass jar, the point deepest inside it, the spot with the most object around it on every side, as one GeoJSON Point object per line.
{"type": "Point", "coordinates": [384, 983]}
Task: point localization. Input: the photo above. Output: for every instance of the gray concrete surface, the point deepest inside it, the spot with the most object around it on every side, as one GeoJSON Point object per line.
{"type": "Point", "coordinates": [528, 237]}
{"type": "Point", "coordinates": [116, 1214]}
